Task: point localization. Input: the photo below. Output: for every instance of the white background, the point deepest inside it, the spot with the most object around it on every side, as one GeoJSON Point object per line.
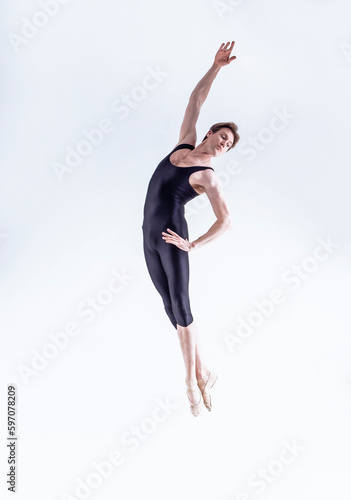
{"type": "Point", "coordinates": [62, 236]}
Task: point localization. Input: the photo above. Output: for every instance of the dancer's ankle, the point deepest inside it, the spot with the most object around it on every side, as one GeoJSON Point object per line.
{"type": "Point", "coordinates": [191, 381]}
{"type": "Point", "coordinates": [202, 374]}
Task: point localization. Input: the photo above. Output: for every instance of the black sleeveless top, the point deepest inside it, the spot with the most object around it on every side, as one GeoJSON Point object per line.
{"type": "Point", "coordinates": [168, 191]}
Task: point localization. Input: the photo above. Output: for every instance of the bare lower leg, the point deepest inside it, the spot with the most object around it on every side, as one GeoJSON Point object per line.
{"type": "Point", "coordinates": [200, 365]}
{"type": "Point", "coordinates": [195, 366]}
{"type": "Point", "coordinates": [187, 339]}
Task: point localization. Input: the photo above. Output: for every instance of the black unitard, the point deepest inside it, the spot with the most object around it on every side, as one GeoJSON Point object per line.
{"type": "Point", "coordinates": [168, 191]}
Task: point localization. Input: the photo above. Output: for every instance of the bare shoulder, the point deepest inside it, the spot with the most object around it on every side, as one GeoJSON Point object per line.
{"type": "Point", "coordinates": [209, 178]}
{"type": "Point", "coordinates": [188, 139]}
{"type": "Point", "coordinates": [179, 156]}
{"type": "Point", "coordinates": [206, 181]}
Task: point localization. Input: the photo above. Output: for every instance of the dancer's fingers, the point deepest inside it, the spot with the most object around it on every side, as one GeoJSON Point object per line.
{"type": "Point", "coordinates": [172, 231]}
{"type": "Point", "coordinates": [229, 49]}
{"type": "Point", "coordinates": [169, 235]}
{"type": "Point", "coordinates": [170, 239]}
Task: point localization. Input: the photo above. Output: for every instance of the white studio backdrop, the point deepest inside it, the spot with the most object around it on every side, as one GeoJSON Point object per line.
{"type": "Point", "coordinates": [93, 95]}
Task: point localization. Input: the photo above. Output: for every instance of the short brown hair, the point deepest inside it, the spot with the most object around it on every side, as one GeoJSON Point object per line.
{"type": "Point", "coordinates": [231, 126]}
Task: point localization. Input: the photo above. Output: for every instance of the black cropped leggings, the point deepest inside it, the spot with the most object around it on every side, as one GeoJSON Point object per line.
{"type": "Point", "coordinates": [168, 267]}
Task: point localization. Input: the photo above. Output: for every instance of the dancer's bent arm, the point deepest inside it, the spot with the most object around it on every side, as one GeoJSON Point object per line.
{"type": "Point", "coordinates": [199, 94]}
{"type": "Point", "coordinates": [220, 208]}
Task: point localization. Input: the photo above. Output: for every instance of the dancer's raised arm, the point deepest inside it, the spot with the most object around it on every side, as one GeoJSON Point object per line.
{"type": "Point", "coordinates": [200, 93]}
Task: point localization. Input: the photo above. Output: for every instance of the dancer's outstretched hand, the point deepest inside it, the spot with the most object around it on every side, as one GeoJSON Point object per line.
{"type": "Point", "coordinates": [177, 240]}
{"type": "Point", "coordinates": [222, 58]}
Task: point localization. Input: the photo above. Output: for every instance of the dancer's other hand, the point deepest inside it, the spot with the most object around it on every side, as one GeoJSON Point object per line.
{"type": "Point", "coordinates": [177, 240]}
{"type": "Point", "coordinates": [222, 58]}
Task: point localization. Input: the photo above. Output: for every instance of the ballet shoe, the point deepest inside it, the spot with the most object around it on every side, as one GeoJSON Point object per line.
{"type": "Point", "coordinates": [205, 384]}
{"type": "Point", "coordinates": [195, 408]}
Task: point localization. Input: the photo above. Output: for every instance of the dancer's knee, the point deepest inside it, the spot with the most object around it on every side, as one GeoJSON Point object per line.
{"type": "Point", "coordinates": [183, 317]}
{"type": "Point", "coordinates": [169, 312]}
{"type": "Point", "coordinates": [181, 311]}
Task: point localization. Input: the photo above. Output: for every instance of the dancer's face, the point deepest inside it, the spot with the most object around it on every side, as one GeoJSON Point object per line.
{"type": "Point", "coordinates": [219, 142]}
